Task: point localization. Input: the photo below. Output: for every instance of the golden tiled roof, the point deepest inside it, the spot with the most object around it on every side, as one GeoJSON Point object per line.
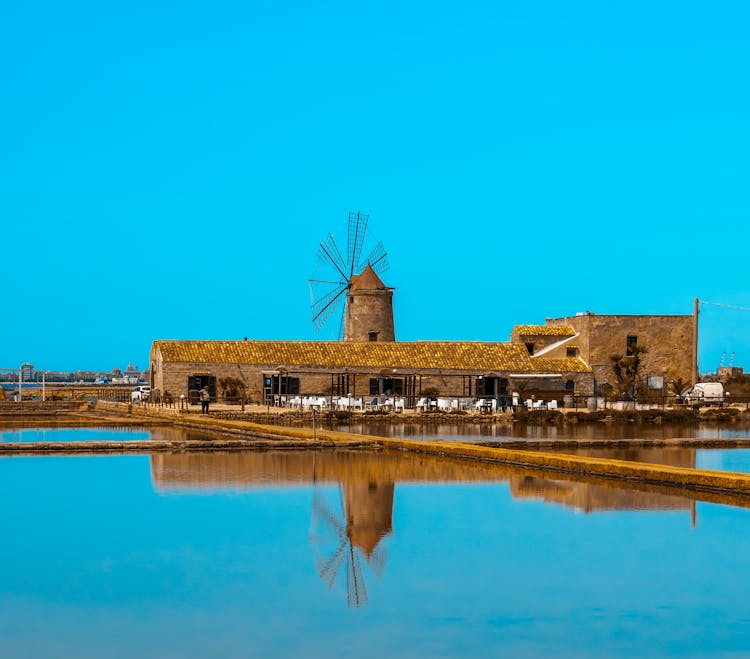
{"type": "Point", "coordinates": [419, 355]}
{"type": "Point", "coordinates": [544, 330]}
{"type": "Point", "coordinates": [560, 365]}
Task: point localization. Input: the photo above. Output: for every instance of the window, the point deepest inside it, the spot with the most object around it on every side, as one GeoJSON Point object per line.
{"type": "Point", "coordinates": [492, 386]}
{"type": "Point", "coordinates": [281, 384]}
{"type": "Point", "coordinates": [570, 385]}
{"type": "Point", "coordinates": [389, 386]}
{"type": "Point", "coordinates": [530, 348]}
{"type": "Point", "coordinates": [571, 352]}
{"type": "Point", "coordinates": [372, 336]}
{"type": "Point", "coordinates": [632, 342]}
{"type": "Point", "coordinates": [197, 382]}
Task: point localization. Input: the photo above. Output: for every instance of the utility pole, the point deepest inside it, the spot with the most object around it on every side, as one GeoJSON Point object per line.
{"type": "Point", "coordinates": [696, 311]}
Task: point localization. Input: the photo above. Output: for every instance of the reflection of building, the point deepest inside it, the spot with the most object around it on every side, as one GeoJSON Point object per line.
{"type": "Point", "coordinates": [369, 509]}
{"type": "Point", "coordinates": [356, 524]}
{"type": "Point", "coordinates": [368, 479]}
{"type": "Point", "coordinates": [212, 470]}
{"type": "Point", "coordinates": [589, 497]}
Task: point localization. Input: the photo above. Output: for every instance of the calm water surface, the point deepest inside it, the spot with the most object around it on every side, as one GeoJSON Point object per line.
{"type": "Point", "coordinates": [74, 434]}
{"type": "Point", "coordinates": [287, 553]}
{"type": "Point", "coordinates": [487, 431]}
{"type": "Point", "coordinates": [719, 459]}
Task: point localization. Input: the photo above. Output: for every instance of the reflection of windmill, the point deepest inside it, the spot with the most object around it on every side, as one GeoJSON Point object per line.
{"type": "Point", "coordinates": [354, 530]}
{"type": "Point", "coordinates": [353, 279]}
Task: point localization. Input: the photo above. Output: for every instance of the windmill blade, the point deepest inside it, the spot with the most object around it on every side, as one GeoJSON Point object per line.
{"type": "Point", "coordinates": [342, 323]}
{"type": "Point", "coordinates": [356, 592]}
{"type": "Point", "coordinates": [323, 308]}
{"type": "Point", "coordinates": [377, 560]}
{"type": "Point", "coordinates": [377, 259]}
{"type": "Point", "coordinates": [330, 568]}
{"type": "Point", "coordinates": [355, 240]}
{"type": "Point", "coordinates": [324, 513]}
{"type": "Point", "coordinates": [328, 252]}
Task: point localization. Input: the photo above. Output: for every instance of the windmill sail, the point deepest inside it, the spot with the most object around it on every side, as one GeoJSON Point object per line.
{"type": "Point", "coordinates": [329, 291]}
{"type": "Point", "coordinates": [324, 307]}
{"type": "Point", "coordinates": [377, 259]}
{"type": "Point", "coordinates": [356, 238]}
{"type": "Point", "coordinates": [328, 252]}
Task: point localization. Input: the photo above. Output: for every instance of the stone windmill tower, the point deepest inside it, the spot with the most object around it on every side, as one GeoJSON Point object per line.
{"type": "Point", "coordinates": [368, 303]}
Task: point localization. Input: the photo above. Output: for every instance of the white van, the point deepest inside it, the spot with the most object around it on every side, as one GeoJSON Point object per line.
{"type": "Point", "coordinates": [704, 393]}
{"type": "Point", "coordinates": [140, 394]}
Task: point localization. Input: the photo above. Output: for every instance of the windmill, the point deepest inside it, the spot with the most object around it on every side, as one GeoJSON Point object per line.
{"type": "Point", "coordinates": [346, 535]}
{"type": "Point", "coordinates": [342, 273]}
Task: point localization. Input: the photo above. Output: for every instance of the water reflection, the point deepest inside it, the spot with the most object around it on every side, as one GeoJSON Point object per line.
{"type": "Point", "coordinates": [581, 431]}
{"type": "Point", "coordinates": [119, 434]}
{"type": "Point", "coordinates": [590, 498]}
{"type": "Point", "coordinates": [362, 519]}
{"type": "Point", "coordinates": [351, 516]}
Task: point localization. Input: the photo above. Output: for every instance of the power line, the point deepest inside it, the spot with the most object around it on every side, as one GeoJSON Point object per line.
{"type": "Point", "coordinates": [726, 306]}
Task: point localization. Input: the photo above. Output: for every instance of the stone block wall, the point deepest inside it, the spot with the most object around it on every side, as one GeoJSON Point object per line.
{"type": "Point", "coordinates": [369, 311]}
{"type": "Point", "coordinates": [173, 378]}
{"type": "Point", "coordinates": [540, 341]}
{"type": "Point", "coordinates": [668, 339]}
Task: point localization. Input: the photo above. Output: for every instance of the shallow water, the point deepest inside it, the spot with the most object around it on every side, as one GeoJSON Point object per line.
{"type": "Point", "coordinates": [598, 430]}
{"type": "Point", "coordinates": [737, 460]}
{"type": "Point", "coordinates": [247, 553]}
{"type": "Point", "coordinates": [74, 434]}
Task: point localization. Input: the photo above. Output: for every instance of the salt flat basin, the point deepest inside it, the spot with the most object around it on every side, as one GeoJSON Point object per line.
{"type": "Point", "coordinates": [245, 553]}
{"type": "Point", "coordinates": [75, 434]}
{"type": "Point", "coordinates": [719, 459]}
{"type": "Point", "coordinates": [595, 430]}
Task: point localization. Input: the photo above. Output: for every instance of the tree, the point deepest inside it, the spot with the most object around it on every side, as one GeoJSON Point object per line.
{"type": "Point", "coordinates": [626, 371]}
{"type": "Point", "coordinates": [233, 388]}
{"type": "Point", "coordinates": [678, 385]}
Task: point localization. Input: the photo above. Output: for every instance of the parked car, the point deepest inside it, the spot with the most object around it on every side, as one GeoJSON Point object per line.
{"type": "Point", "coordinates": [704, 393]}
{"type": "Point", "coordinates": [140, 394]}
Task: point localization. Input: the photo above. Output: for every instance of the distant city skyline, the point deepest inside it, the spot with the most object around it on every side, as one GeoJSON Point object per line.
{"type": "Point", "coordinates": [168, 172]}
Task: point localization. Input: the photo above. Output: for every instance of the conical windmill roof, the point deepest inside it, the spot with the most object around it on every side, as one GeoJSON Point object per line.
{"type": "Point", "coordinates": [367, 280]}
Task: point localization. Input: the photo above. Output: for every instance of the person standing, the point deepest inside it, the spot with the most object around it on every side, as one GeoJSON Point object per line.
{"type": "Point", "coordinates": [205, 400]}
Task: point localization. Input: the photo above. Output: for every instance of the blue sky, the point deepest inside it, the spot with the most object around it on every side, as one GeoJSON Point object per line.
{"type": "Point", "coordinates": [167, 169]}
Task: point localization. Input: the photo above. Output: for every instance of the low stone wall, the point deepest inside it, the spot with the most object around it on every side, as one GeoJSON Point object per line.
{"type": "Point", "coordinates": [41, 408]}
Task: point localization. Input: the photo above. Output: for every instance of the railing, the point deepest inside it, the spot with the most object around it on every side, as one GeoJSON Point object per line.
{"type": "Point", "coordinates": [447, 404]}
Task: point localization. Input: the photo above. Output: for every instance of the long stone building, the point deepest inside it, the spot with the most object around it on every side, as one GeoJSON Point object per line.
{"type": "Point", "coordinates": [271, 368]}
{"type": "Point", "coordinates": [565, 356]}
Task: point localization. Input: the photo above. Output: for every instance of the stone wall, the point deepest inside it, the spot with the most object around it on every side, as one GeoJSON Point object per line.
{"type": "Point", "coordinates": [173, 378]}
{"type": "Point", "coordinates": [369, 311]}
{"type": "Point", "coordinates": [540, 342]}
{"type": "Point", "coordinates": [38, 408]}
{"type": "Point", "coordinates": [668, 339]}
